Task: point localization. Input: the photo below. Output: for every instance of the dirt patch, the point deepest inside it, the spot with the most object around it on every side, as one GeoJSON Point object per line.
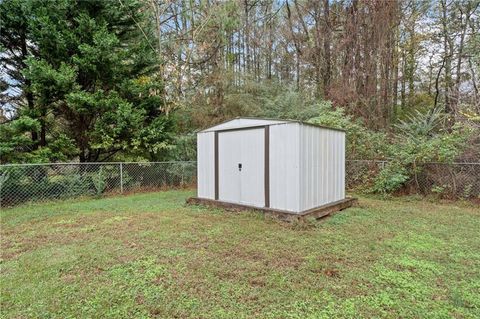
{"type": "Point", "coordinates": [332, 273]}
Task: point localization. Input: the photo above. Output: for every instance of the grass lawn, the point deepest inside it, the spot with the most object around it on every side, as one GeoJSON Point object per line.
{"type": "Point", "coordinates": [148, 255]}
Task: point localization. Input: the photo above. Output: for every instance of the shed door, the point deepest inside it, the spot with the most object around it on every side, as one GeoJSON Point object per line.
{"type": "Point", "coordinates": [241, 157]}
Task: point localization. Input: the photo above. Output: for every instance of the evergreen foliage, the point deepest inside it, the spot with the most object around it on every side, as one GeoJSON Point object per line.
{"type": "Point", "coordinates": [89, 77]}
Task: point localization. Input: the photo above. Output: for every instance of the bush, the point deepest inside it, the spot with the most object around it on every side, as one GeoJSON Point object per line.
{"type": "Point", "coordinates": [391, 178]}
{"type": "Point", "coordinates": [362, 143]}
{"type": "Point", "coordinates": [99, 182]}
{"type": "Point", "coordinates": [418, 141]}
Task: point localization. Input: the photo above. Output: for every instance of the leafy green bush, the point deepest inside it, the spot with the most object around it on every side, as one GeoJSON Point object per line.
{"type": "Point", "coordinates": [362, 143]}
{"type": "Point", "coordinates": [419, 140]}
{"type": "Point", "coordinates": [391, 178]}
{"type": "Point", "coordinates": [28, 183]}
{"type": "Point", "coordinates": [99, 182]}
{"type": "Point", "coordinates": [290, 104]}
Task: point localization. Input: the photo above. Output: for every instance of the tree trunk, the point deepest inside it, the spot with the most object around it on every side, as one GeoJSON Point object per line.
{"type": "Point", "coordinates": [447, 58]}
{"type": "Point", "coordinates": [28, 90]}
{"type": "Point", "coordinates": [43, 132]}
{"type": "Point", "coordinates": [247, 36]}
{"type": "Point", "coordinates": [326, 48]}
{"type": "Point", "coordinates": [403, 83]}
{"type": "Point", "coordinates": [460, 54]}
{"type": "Point", "coordinates": [297, 47]}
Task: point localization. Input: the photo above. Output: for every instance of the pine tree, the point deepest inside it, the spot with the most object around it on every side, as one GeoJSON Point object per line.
{"type": "Point", "coordinates": [92, 75]}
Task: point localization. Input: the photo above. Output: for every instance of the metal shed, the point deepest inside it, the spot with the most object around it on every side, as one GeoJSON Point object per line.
{"type": "Point", "coordinates": [275, 165]}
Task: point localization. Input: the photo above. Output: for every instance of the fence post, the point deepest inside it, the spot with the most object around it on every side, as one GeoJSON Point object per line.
{"type": "Point", "coordinates": [183, 174]}
{"type": "Point", "coordinates": [1, 184]}
{"type": "Point", "coordinates": [121, 177]}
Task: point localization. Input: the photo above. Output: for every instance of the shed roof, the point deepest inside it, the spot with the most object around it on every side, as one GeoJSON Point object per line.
{"type": "Point", "coordinates": [243, 122]}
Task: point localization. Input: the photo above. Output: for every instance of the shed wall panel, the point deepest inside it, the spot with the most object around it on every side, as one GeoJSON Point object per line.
{"type": "Point", "coordinates": [253, 170]}
{"type": "Point", "coordinates": [284, 167]}
{"type": "Point", "coordinates": [243, 185]}
{"type": "Point", "coordinates": [206, 165]}
{"type": "Point", "coordinates": [322, 166]}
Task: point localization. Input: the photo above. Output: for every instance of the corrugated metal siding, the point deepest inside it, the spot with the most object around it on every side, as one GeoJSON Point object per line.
{"type": "Point", "coordinates": [206, 165]}
{"type": "Point", "coordinates": [239, 123]}
{"type": "Point", "coordinates": [322, 166]}
{"type": "Point", "coordinates": [245, 147]}
{"type": "Point", "coordinates": [229, 154]}
{"type": "Point", "coordinates": [307, 164]}
{"type": "Point", "coordinates": [284, 167]}
{"type": "Point", "coordinates": [253, 170]}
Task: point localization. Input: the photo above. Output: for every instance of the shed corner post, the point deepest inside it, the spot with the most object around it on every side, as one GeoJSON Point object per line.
{"type": "Point", "coordinates": [267, 166]}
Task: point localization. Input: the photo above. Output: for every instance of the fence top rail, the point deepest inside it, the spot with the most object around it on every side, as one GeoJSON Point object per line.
{"type": "Point", "coordinates": [426, 163]}
{"type": "Point", "coordinates": [192, 162]}
{"type": "Point", "coordinates": [366, 160]}
{"type": "Point", "coordinates": [455, 163]}
{"type": "Point", "coordinates": [96, 163]}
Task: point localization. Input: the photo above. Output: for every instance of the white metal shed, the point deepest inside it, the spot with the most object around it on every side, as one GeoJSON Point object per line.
{"type": "Point", "coordinates": [281, 165]}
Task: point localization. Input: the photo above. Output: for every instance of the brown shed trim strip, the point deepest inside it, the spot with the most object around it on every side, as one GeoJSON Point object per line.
{"type": "Point", "coordinates": [216, 164]}
{"type": "Point", "coordinates": [284, 121]}
{"type": "Point", "coordinates": [267, 166]}
{"type": "Point", "coordinates": [245, 128]}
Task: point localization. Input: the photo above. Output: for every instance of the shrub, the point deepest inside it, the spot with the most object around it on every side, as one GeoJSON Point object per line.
{"type": "Point", "coordinates": [362, 143]}
{"type": "Point", "coordinates": [391, 178]}
{"type": "Point", "coordinates": [99, 182]}
{"type": "Point", "coordinates": [419, 141]}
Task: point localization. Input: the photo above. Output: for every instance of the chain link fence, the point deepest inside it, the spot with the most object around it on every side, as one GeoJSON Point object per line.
{"type": "Point", "coordinates": [457, 180]}
{"type": "Point", "coordinates": [21, 183]}
{"type": "Point", "coordinates": [36, 182]}
{"type": "Point", "coordinates": [361, 173]}
{"type": "Point", "coordinates": [451, 181]}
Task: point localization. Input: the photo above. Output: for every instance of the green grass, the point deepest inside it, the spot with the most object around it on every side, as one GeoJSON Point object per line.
{"type": "Point", "coordinates": [148, 255]}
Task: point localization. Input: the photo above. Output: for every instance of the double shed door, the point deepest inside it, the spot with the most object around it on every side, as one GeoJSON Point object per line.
{"type": "Point", "coordinates": [241, 167]}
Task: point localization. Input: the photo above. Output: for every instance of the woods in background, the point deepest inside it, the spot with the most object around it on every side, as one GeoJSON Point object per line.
{"type": "Point", "coordinates": [130, 79]}
{"type": "Point", "coordinates": [378, 59]}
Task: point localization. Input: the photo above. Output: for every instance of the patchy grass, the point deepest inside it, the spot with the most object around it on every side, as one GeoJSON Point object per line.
{"type": "Point", "coordinates": [148, 255]}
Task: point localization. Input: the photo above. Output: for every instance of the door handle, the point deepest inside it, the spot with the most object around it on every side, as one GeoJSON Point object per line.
{"type": "Point", "coordinates": [240, 167]}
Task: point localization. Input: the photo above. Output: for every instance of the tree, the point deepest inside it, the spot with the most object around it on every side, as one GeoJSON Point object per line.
{"type": "Point", "coordinates": [93, 74]}
{"type": "Point", "coordinates": [16, 47]}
